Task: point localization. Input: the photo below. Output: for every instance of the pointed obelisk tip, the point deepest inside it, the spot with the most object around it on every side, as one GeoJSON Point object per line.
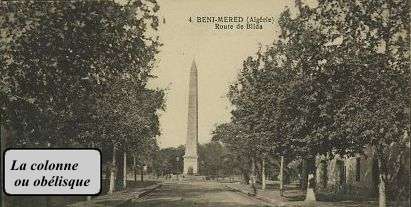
{"type": "Point", "coordinates": [194, 65]}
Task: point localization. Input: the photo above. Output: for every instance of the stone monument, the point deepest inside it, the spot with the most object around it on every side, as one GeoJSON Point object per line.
{"type": "Point", "coordinates": [191, 156]}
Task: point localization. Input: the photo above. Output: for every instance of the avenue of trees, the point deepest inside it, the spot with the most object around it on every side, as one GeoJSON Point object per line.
{"type": "Point", "coordinates": [169, 161]}
{"type": "Point", "coordinates": [75, 74]}
{"type": "Point", "coordinates": [213, 161]}
{"type": "Point", "coordinates": [334, 82]}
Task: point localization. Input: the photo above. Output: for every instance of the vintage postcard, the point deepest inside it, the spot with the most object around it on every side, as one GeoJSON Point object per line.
{"type": "Point", "coordinates": [195, 103]}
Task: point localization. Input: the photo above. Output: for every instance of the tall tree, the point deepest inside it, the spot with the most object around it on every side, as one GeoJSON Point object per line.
{"type": "Point", "coordinates": [65, 55]}
{"type": "Point", "coordinates": [77, 72]}
{"type": "Point", "coordinates": [335, 82]}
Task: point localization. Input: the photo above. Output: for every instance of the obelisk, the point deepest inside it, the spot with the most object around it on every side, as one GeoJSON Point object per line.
{"type": "Point", "coordinates": [191, 156]}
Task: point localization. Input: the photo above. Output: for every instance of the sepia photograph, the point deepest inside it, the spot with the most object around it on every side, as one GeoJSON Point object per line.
{"type": "Point", "coordinates": [204, 103]}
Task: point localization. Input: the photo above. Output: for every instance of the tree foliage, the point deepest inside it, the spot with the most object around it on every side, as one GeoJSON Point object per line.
{"type": "Point", "coordinates": [78, 70]}
{"type": "Point", "coordinates": [334, 82]}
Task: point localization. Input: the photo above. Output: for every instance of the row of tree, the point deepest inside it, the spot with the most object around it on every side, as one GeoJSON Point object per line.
{"type": "Point", "coordinates": [214, 161]}
{"type": "Point", "coordinates": [333, 83]}
{"type": "Point", "coordinates": [75, 73]}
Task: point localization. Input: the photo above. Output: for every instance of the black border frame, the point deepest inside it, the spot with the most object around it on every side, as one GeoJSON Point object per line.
{"type": "Point", "coordinates": [45, 148]}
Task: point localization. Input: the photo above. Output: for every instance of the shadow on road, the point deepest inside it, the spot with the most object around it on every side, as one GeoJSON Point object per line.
{"type": "Point", "coordinates": [201, 195]}
{"type": "Point", "coordinates": [185, 203]}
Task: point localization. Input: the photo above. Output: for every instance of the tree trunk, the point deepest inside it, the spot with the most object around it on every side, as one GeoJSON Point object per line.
{"type": "Point", "coordinates": [382, 198]}
{"type": "Point", "coordinates": [253, 176]}
{"type": "Point", "coordinates": [125, 170]}
{"type": "Point", "coordinates": [310, 195]}
{"type": "Point", "coordinates": [304, 175]}
{"type": "Point", "coordinates": [282, 176]}
{"type": "Point", "coordinates": [3, 135]}
{"type": "Point", "coordinates": [263, 183]}
{"type": "Point", "coordinates": [322, 175]}
{"type": "Point", "coordinates": [88, 198]}
{"type": "Point", "coordinates": [245, 176]}
{"type": "Point", "coordinates": [135, 167]}
{"type": "Point", "coordinates": [142, 173]}
{"type": "Point", "coordinates": [113, 171]}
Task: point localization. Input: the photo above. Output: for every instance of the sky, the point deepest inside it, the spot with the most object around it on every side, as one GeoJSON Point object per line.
{"type": "Point", "coordinates": [218, 53]}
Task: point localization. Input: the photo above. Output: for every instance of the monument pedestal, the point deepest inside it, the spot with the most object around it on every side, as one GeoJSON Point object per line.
{"type": "Point", "coordinates": [191, 178]}
{"type": "Point", "coordinates": [190, 165]}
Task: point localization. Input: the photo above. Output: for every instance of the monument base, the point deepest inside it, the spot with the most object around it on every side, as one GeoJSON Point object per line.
{"type": "Point", "coordinates": [193, 178]}
{"type": "Point", "coordinates": [190, 165]}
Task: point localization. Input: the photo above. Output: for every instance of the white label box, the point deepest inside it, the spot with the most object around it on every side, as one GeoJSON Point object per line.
{"type": "Point", "coordinates": [48, 171]}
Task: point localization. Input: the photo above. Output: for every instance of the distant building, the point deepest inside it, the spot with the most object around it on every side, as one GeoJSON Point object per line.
{"type": "Point", "coordinates": [359, 174]}
{"type": "Point", "coordinates": [355, 174]}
